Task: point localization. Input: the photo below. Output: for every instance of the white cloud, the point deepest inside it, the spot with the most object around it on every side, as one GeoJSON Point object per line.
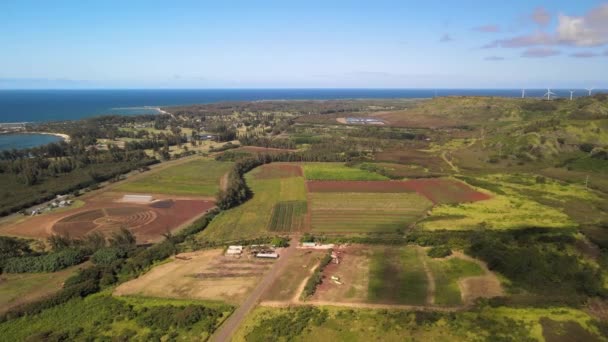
{"type": "Point", "coordinates": [588, 30]}
{"type": "Point", "coordinates": [580, 31]}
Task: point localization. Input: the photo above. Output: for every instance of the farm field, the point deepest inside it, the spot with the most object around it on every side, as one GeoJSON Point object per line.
{"type": "Point", "coordinates": [365, 212]}
{"type": "Point", "coordinates": [398, 276]}
{"type": "Point", "coordinates": [18, 289]}
{"type": "Point", "coordinates": [287, 286]}
{"type": "Point", "coordinates": [204, 275]}
{"type": "Point", "coordinates": [338, 171]}
{"type": "Point", "coordinates": [337, 324]}
{"type": "Point", "coordinates": [199, 177]}
{"type": "Point", "coordinates": [518, 202]}
{"type": "Point", "coordinates": [106, 212]}
{"type": "Point", "coordinates": [378, 274]}
{"type": "Point", "coordinates": [101, 316]}
{"type": "Point", "coordinates": [254, 218]}
{"type": "Point", "coordinates": [447, 274]}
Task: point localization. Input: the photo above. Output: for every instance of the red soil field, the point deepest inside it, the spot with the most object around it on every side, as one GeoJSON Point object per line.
{"type": "Point", "coordinates": [441, 191]}
{"type": "Point", "coordinates": [437, 190]}
{"type": "Point", "coordinates": [147, 221]}
{"type": "Point", "coordinates": [279, 170]}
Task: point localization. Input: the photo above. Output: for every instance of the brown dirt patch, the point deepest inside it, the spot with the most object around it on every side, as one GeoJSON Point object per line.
{"type": "Point", "coordinates": [353, 272]}
{"type": "Point", "coordinates": [104, 214]}
{"type": "Point", "coordinates": [358, 186]}
{"type": "Point", "coordinates": [279, 170]}
{"type": "Point", "coordinates": [472, 288]}
{"type": "Point", "coordinates": [409, 118]}
{"type": "Point", "coordinates": [207, 275]}
{"type": "Point", "coordinates": [441, 191]}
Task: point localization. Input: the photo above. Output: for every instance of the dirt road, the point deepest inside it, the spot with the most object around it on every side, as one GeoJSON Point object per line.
{"type": "Point", "coordinates": [225, 332]}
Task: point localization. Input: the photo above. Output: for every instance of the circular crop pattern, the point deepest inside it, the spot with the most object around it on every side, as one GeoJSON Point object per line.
{"type": "Point", "coordinates": [104, 220]}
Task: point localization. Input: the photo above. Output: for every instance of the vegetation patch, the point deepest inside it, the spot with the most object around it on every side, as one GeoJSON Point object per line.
{"type": "Point", "coordinates": [288, 216]}
{"type": "Point", "coordinates": [345, 324]}
{"type": "Point", "coordinates": [397, 276]}
{"type": "Point", "coordinates": [446, 274]}
{"type": "Point", "coordinates": [338, 171]}
{"type": "Point", "coordinates": [199, 177]}
{"type": "Point", "coordinates": [102, 316]}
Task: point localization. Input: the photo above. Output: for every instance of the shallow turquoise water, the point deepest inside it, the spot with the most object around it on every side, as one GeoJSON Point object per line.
{"type": "Point", "coordinates": [19, 141]}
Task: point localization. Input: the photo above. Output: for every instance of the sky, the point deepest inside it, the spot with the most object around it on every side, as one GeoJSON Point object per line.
{"type": "Point", "coordinates": [303, 44]}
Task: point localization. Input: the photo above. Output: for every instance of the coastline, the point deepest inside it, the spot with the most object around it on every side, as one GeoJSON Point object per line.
{"type": "Point", "coordinates": [65, 137]}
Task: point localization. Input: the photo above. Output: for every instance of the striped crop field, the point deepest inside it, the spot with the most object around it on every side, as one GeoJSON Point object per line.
{"type": "Point", "coordinates": [288, 216]}
{"type": "Point", "coordinates": [365, 212]}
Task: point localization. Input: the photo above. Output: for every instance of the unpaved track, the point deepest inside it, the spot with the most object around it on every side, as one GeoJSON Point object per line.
{"type": "Point", "coordinates": [286, 304]}
{"type": "Point", "coordinates": [226, 330]}
{"type": "Point", "coordinates": [430, 292]}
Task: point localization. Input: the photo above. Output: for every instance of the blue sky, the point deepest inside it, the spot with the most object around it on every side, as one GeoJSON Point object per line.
{"type": "Point", "coordinates": [301, 44]}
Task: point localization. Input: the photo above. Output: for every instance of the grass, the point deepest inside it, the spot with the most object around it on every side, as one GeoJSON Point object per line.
{"type": "Point", "coordinates": [101, 316]}
{"type": "Point", "coordinates": [346, 324]}
{"type": "Point", "coordinates": [252, 218]}
{"type": "Point", "coordinates": [397, 277]}
{"type": "Point", "coordinates": [447, 273]}
{"type": "Point", "coordinates": [519, 202]}
{"type": "Point", "coordinates": [17, 289]}
{"type": "Point", "coordinates": [288, 216]}
{"type": "Point", "coordinates": [199, 177]}
{"type": "Point", "coordinates": [365, 212]}
{"type": "Point", "coordinates": [338, 171]}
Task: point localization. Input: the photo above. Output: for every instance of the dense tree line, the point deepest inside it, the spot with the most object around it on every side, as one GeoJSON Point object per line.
{"type": "Point", "coordinates": [268, 142]}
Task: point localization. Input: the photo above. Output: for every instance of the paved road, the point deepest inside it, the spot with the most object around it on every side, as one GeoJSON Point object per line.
{"type": "Point", "coordinates": [225, 332]}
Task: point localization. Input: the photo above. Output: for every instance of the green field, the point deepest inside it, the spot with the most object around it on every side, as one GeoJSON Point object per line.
{"type": "Point", "coordinates": [103, 317]}
{"type": "Point", "coordinates": [199, 177]}
{"type": "Point", "coordinates": [396, 276]}
{"type": "Point", "coordinates": [365, 212]}
{"type": "Point", "coordinates": [519, 201]}
{"type": "Point", "coordinates": [288, 216]}
{"type": "Point", "coordinates": [253, 218]}
{"type": "Point", "coordinates": [446, 274]}
{"type": "Point", "coordinates": [487, 324]}
{"type": "Point", "coordinates": [17, 289]}
{"type": "Point", "coordinates": [338, 171]}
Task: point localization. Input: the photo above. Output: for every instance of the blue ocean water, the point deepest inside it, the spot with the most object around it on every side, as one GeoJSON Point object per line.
{"type": "Point", "coordinates": [20, 141]}
{"type": "Point", "coordinates": [57, 105]}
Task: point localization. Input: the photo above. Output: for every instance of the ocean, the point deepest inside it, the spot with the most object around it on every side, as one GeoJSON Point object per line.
{"type": "Point", "coordinates": [60, 105]}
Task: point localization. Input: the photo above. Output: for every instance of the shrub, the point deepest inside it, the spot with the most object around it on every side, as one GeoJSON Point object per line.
{"type": "Point", "coordinates": [45, 263]}
{"type": "Point", "coordinates": [108, 255]}
{"type": "Point", "coordinates": [439, 252]}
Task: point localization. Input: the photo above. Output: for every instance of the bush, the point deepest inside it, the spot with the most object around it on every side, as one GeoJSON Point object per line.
{"type": "Point", "coordinates": [317, 277]}
{"type": "Point", "coordinates": [45, 263]}
{"type": "Point", "coordinates": [439, 252]}
{"type": "Point", "coordinates": [108, 255]}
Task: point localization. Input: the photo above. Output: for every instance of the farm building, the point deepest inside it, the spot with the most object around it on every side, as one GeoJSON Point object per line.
{"type": "Point", "coordinates": [267, 255]}
{"type": "Point", "coordinates": [234, 250]}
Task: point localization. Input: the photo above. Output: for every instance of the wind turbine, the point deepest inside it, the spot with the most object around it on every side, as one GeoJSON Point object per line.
{"type": "Point", "coordinates": [549, 93]}
{"type": "Point", "coordinates": [589, 90]}
{"type": "Point", "coordinates": [523, 93]}
{"type": "Point", "coordinates": [571, 94]}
